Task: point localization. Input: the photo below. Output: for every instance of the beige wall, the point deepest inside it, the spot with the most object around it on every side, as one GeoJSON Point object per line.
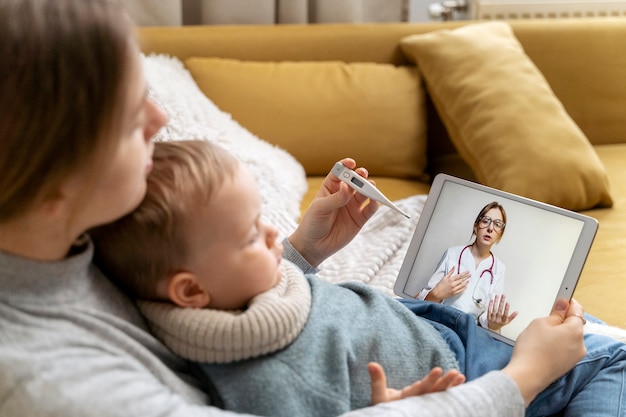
{"type": "Point", "coordinates": [195, 12]}
{"type": "Point", "coordinates": [155, 12]}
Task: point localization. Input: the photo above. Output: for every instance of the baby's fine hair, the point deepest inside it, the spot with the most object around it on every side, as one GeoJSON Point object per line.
{"type": "Point", "coordinates": [148, 245]}
{"type": "Point", "coordinates": [64, 68]}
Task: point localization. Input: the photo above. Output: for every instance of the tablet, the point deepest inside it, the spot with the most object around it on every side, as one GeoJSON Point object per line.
{"type": "Point", "coordinates": [531, 252]}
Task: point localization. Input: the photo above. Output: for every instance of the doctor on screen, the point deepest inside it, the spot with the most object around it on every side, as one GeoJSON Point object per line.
{"type": "Point", "coordinates": [471, 278]}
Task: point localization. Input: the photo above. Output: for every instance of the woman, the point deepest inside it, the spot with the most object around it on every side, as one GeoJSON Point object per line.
{"type": "Point", "coordinates": [75, 133]}
{"type": "Point", "coordinates": [471, 277]}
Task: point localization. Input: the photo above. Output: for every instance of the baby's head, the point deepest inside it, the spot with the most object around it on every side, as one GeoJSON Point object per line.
{"type": "Point", "coordinates": [197, 238]}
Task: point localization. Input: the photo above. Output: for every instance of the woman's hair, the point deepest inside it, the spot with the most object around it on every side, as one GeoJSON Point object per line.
{"type": "Point", "coordinates": [151, 243]}
{"type": "Point", "coordinates": [64, 68]}
{"type": "Point", "coordinates": [483, 212]}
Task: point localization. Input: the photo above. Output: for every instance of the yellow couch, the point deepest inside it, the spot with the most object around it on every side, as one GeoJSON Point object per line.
{"type": "Point", "coordinates": [582, 60]}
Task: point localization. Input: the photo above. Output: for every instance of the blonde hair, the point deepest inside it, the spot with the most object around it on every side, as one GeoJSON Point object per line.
{"type": "Point", "coordinates": [63, 72]}
{"type": "Point", "coordinates": [149, 244]}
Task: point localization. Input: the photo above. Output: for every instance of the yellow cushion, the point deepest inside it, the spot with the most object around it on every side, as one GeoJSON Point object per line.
{"type": "Point", "coordinates": [504, 119]}
{"type": "Point", "coordinates": [324, 111]}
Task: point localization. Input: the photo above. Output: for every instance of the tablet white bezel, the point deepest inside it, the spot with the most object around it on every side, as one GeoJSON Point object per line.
{"type": "Point", "coordinates": [556, 238]}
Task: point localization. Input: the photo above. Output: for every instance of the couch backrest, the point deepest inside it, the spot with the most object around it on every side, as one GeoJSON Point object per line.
{"type": "Point", "coordinates": [584, 60]}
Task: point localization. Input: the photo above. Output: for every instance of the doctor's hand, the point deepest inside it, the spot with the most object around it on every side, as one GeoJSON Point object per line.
{"type": "Point", "coordinates": [451, 284]}
{"type": "Point", "coordinates": [498, 313]}
{"type": "Point", "coordinates": [435, 381]}
{"type": "Point", "coordinates": [334, 218]}
{"type": "Point", "coordinates": [547, 349]}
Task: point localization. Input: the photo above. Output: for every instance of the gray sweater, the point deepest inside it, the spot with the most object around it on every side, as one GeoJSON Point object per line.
{"type": "Point", "coordinates": [72, 345]}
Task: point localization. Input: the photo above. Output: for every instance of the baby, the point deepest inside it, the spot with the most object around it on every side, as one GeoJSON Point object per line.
{"type": "Point", "coordinates": [215, 289]}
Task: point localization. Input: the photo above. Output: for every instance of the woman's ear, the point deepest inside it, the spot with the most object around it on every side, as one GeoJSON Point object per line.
{"type": "Point", "coordinates": [184, 290]}
{"type": "Point", "coordinates": [58, 201]}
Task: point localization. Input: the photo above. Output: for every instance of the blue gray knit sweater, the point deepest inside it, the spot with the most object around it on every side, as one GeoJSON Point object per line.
{"type": "Point", "coordinates": [323, 371]}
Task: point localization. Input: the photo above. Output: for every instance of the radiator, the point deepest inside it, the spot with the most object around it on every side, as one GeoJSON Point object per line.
{"type": "Point", "coordinates": [551, 9]}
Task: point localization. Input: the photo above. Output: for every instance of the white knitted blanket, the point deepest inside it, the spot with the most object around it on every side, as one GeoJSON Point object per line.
{"type": "Point", "coordinates": [192, 115]}
{"type": "Point", "coordinates": [374, 257]}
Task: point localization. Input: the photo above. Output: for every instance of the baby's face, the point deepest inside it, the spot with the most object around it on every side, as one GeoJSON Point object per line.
{"type": "Point", "coordinates": [235, 255]}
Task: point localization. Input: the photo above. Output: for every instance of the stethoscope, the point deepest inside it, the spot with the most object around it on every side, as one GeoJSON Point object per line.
{"type": "Point", "coordinates": [476, 300]}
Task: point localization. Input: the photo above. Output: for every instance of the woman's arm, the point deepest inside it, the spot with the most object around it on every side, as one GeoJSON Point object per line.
{"type": "Point", "coordinates": [333, 219]}
{"type": "Point", "coordinates": [493, 395]}
{"type": "Point", "coordinates": [534, 365]}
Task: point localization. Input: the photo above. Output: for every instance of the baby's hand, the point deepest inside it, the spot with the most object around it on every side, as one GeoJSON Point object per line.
{"type": "Point", "coordinates": [435, 381]}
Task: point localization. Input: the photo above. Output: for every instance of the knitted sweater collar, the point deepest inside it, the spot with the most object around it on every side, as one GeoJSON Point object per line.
{"type": "Point", "coordinates": [272, 321]}
{"type": "Point", "coordinates": [26, 281]}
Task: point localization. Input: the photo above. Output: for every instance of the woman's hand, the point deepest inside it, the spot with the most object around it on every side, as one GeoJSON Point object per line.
{"type": "Point", "coordinates": [451, 284]}
{"type": "Point", "coordinates": [498, 313]}
{"type": "Point", "coordinates": [333, 219]}
{"type": "Point", "coordinates": [547, 349]}
{"type": "Point", "coordinates": [435, 381]}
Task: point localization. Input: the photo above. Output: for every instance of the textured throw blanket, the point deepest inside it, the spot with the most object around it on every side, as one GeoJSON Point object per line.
{"type": "Point", "coordinates": [374, 257]}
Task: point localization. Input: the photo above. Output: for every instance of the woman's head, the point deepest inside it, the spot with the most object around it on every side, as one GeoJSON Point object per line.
{"type": "Point", "coordinates": [490, 223]}
{"type": "Point", "coordinates": [66, 68]}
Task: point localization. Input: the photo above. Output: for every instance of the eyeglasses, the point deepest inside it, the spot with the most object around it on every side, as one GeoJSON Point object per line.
{"type": "Point", "coordinates": [485, 221]}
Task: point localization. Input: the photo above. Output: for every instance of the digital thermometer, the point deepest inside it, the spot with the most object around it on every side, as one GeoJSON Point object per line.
{"type": "Point", "coordinates": [363, 186]}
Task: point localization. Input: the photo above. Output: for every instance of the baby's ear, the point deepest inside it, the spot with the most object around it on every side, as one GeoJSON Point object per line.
{"type": "Point", "coordinates": [184, 290]}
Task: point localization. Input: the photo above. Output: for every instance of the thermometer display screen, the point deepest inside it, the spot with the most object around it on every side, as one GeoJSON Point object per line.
{"type": "Point", "coordinates": [356, 181]}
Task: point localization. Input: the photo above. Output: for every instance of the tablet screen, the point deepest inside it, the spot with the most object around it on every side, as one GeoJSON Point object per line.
{"type": "Point", "coordinates": [535, 252]}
